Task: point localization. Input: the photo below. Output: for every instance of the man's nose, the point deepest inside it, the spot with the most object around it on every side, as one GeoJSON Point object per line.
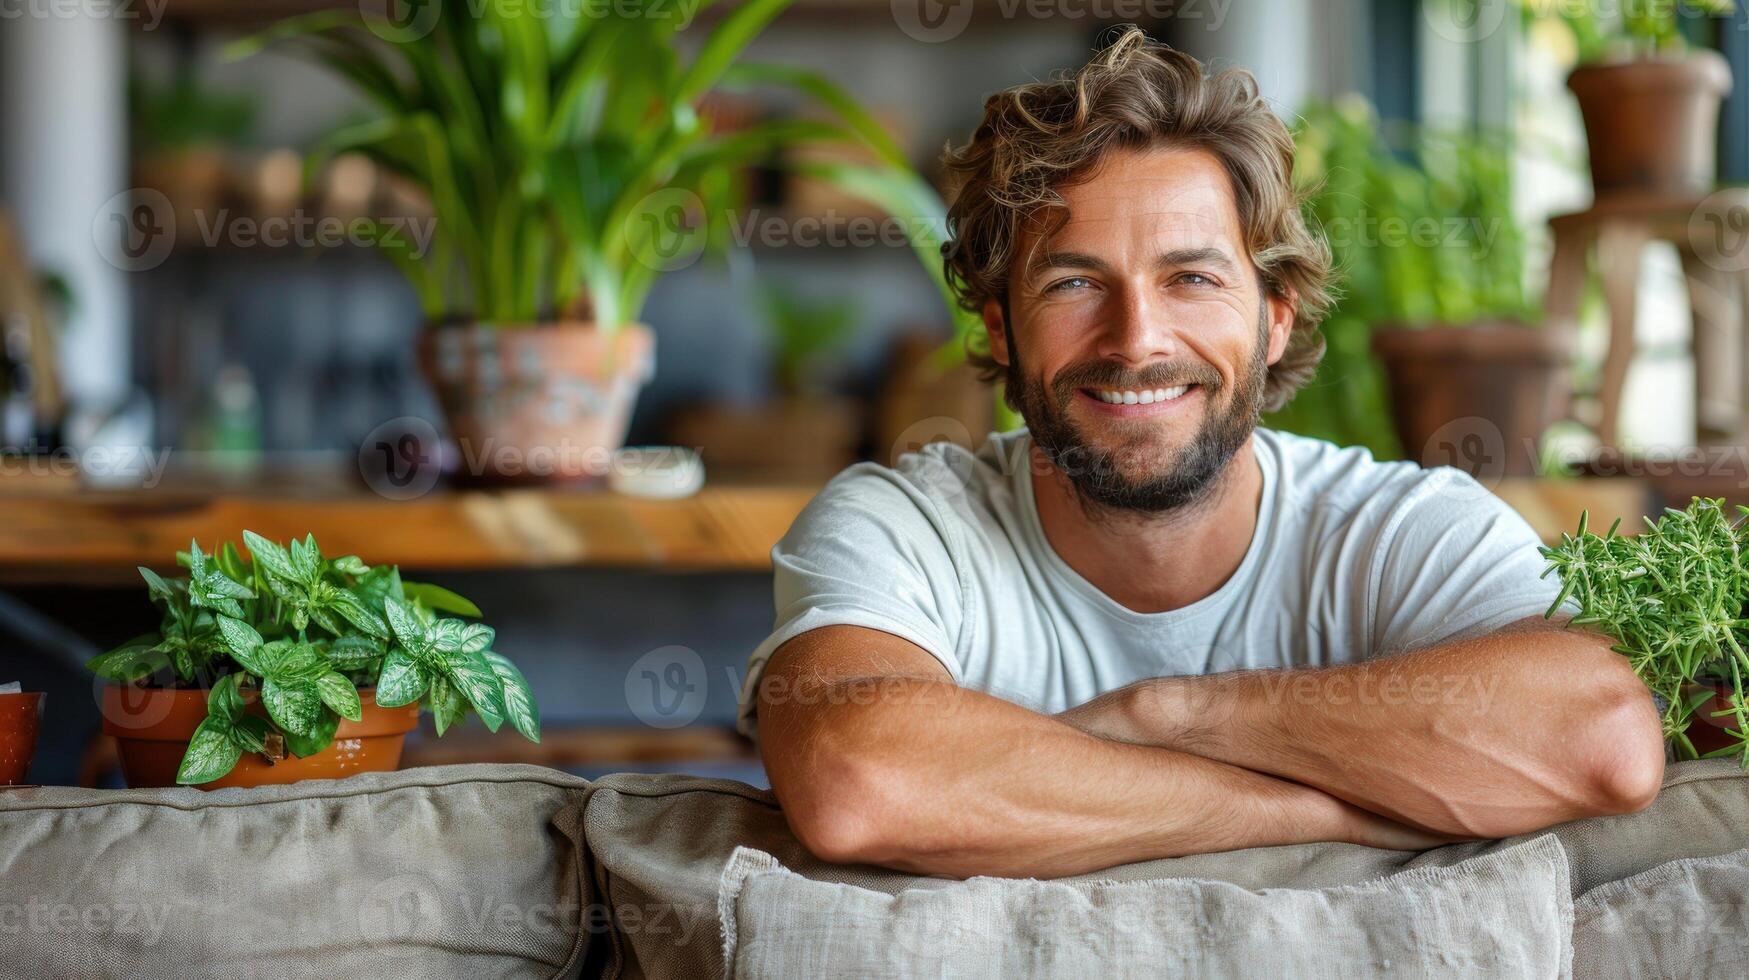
{"type": "Point", "coordinates": [1136, 330]}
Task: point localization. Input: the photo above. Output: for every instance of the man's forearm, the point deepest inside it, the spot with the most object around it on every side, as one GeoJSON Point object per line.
{"type": "Point", "coordinates": [1496, 736]}
{"type": "Point", "coordinates": [929, 777]}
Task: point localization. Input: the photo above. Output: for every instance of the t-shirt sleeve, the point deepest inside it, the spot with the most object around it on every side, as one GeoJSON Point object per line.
{"type": "Point", "coordinates": [869, 551]}
{"type": "Point", "coordinates": [1454, 562]}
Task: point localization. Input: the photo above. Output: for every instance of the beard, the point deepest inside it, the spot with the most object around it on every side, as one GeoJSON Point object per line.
{"type": "Point", "coordinates": [1136, 474]}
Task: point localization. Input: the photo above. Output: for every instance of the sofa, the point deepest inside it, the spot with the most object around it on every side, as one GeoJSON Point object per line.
{"type": "Point", "coordinates": [520, 871]}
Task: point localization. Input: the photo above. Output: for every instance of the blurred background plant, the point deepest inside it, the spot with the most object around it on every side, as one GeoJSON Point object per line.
{"type": "Point", "coordinates": [1420, 225]}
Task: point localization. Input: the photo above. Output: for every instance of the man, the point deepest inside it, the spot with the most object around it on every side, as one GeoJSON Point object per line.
{"type": "Point", "coordinates": [1144, 627]}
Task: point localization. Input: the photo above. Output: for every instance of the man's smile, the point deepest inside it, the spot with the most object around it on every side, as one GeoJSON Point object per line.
{"type": "Point", "coordinates": [1140, 402]}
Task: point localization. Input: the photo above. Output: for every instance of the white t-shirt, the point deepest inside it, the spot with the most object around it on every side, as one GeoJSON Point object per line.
{"type": "Point", "coordinates": [1351, 558]}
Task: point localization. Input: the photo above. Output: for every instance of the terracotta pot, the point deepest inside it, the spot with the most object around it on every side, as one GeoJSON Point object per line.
{"type": "Point", "coordinates": [537, 404]}
{"type": "Point", "coordinates": [152, 727]}
{"type": "Point", "coordinates": [20, 718]}
{"type": "Point", "coordinates": [1705, 732]}
{"type": "Point", "coordinates": [1652, 125]}
{"type": "Point", "coordinates": [1478, 397]}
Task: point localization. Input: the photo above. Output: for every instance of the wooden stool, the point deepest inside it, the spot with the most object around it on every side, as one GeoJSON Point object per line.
{"type": "Point", "coordinates": [1712, 236]}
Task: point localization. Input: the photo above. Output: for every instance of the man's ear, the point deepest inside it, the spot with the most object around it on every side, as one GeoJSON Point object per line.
{"type": "Point", "coordinates": [997, 329]}
{"type": "Point", "coordinates": [1281, 311]}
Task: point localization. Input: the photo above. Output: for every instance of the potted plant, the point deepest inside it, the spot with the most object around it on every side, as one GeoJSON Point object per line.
{"type": "Point", "coordinates": [20, 718]}
{"type": "Point", "coordinates": [568, 162]}
{"type": "Point", "coordinates": [1421, 229]}
{"type": "Point", "coordinates": [1676, 601]}
{"type": "Point", "coordinates": [1650, 101]}
{"type": "Point", "coordinates": [288, 665]}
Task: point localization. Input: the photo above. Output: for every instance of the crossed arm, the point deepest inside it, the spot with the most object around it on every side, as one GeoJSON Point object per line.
{"type": "Point", "coordinates": [878, 757]}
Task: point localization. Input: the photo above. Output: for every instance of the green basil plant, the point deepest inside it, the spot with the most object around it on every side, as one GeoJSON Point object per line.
{"type": "Point", "coordinates": [306, 634]}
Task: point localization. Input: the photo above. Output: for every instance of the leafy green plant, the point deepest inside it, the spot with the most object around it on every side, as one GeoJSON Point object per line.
{"type": "Point", "coordinates": [182, 113]}
{"type": "Point", "coordinates": [305, 634]}
{"type": "Point", "coordinates": [1422, 233]}
{"type": "Point", "coordinates": [803, 330]}
{"type": "Point", "coordinates": [1644, 28]}
{"type": "Point", "coordinates": [1673, 599]}
{"type": "Point", "coordinates": [570, 160]}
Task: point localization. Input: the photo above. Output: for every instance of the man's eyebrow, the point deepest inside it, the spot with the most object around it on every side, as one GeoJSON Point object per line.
{"type": "Point", "coordinates": [1205, 256]}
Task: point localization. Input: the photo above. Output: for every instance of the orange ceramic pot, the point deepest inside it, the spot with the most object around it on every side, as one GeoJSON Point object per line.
{"type": "Point", "coordinates": [152, 728]}
{"type": "Point", "coordinates": [1706, 732]}
{"type": "Point", "coordinates": [547, 403]}
{"type": "Point", "coordinates": [20, 717]}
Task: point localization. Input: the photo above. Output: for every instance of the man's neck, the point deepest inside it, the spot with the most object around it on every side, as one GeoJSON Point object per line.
{"type": "Point", "coordinates": [1153, 562]}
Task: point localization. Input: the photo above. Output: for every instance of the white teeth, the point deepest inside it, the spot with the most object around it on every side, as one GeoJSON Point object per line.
{"type": "Point", "coordinates": [1140, 397]}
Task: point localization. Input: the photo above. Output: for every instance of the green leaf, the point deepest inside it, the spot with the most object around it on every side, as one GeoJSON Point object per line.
{"type": "Point", "coordinates": [243, 641]}
{"type": "Point", "coordinates": [321, 736]}
{"type": "Point", "coordinates": [350, 565]}
{"type": "Point", "coordinates": [402, 680]}
{"type": "Point", "coordinates": [353, 652]}
{"type": "Point", "coordinates": [440, 599]}
{"type": "Point", "coordinates": [211, 753]}
{"type": "Point", "coordinates": [270, 557]}
{"type": "Point", "coordinates": [519, 707]}
{"type": "Point", "coordinates": [338, 693]}
{"type": "Point", "coordinates": [225, 701]}
{"type": "Point", "coordinates": [294, 706]}
{"type": "Point", "coordinates": [447, 704]}
{"type": "Point", "coordinates": [137, 658]}
{"type": "Point", "coordinates": [475, 679]}
{"type": "Point", "coordinates": [250, 733]}
{"type": "Point", "coordinates": [407, 626]}
{"type": "Point", "coordinates": [358, 614]}
{"type": "Point", "coordinates": [156, 586]}
{"type": "Point", "coordinates": [231, 563]}
{"type": "Point", "coordinates": [455, 636]}
{"type": "Point", "coordinates": [306, 559]}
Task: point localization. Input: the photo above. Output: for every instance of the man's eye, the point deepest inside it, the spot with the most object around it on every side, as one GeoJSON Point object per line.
{"type": "Point", "coordinates": [1073, 282]}
{"type": "Point", "coordinates": [1196, 279]}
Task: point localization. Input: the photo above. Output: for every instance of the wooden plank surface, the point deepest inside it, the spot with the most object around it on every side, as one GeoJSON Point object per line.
{"type": "Point", "coordinates": [86, 536]}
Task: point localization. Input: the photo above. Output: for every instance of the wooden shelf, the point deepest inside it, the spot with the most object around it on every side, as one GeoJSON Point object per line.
{"type": "Point", "coordinates": [96, 536]}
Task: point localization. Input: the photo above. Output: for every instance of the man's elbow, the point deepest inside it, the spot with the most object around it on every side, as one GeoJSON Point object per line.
{"type": "Point", "coordinates": [840, 814]}
{"type": "Point", "coordinates": [1626, 747]}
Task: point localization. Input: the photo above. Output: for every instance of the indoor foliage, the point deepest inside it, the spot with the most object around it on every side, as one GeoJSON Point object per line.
{"type": "Point", "coordinates": [305, 634]}
{"type": "Point", "coordinates": [1673, 599]}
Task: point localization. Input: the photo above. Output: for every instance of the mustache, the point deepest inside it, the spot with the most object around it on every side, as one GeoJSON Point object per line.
{"type": "Point", "coordinates": [1105, 374]}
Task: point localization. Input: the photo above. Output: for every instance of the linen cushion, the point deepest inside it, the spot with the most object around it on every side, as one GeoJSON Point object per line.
{"type": "Point", "coordinates": [1686, 918]}
{"type": "Point", "coordinates": [1506, 914]}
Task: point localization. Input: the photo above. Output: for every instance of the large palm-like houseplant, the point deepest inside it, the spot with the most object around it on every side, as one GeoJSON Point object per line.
{"type": "Point", "coordinates": [568, 162]}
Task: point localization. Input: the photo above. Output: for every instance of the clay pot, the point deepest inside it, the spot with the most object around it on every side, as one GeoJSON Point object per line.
{"type": "Point", "coordinates": [537, 404]}
{"type": "Point", "coordinates": [1652, 125]}
{"type": "Point", "coordinates": [152, 728]}
{"type": "Point", "coordinates": [1478, 397]}
{"type": "Point", "coordinates": [20, 718]}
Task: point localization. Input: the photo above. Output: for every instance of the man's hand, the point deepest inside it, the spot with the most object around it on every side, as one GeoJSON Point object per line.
{"type": "Point", "coordinates": [1510, 733]}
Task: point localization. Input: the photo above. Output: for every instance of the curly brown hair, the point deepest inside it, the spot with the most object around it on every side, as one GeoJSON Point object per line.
{"type": "Point", "coordinates": [1136, 93]}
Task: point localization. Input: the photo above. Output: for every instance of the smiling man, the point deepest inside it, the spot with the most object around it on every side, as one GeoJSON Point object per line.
{"type": "Point", "coordinates": [1144, 626]}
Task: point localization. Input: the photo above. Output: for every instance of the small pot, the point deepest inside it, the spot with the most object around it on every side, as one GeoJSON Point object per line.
{"type": "Point", "coordinates": [1478, 397]}
{"type": "Point", "coordinates": [1652, 125]}
{"type": "Point", "coordinates": [20, 719]}
{"type": "Point", "coordinates": [537, 404]}
{"type": "Point", "coordinates": [152, 728]}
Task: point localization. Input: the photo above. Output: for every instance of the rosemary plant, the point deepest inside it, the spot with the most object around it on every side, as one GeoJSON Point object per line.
{"type": "Point", "coordinates": [1673, 599]}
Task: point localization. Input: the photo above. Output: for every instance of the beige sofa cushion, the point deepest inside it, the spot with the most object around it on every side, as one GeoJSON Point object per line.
{"type": "Point", "coordinates": [1506, 914]}
{"type": "Point", "coordinates": [1687, 918]}
{"type": "Point", "coordinates": [457, 871]}
{"type": "Point", "coordinates": [661, 842]}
